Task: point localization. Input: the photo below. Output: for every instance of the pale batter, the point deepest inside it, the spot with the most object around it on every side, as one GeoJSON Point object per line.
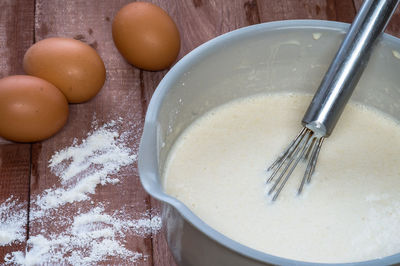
{"type": "Point", "coordinates": [350, 211]}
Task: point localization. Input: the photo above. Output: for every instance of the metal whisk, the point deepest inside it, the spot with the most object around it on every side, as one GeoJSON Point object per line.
{"type": "Point", "coordinates": [333, 94]}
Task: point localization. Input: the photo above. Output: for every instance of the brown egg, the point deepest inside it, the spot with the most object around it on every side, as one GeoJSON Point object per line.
{"type": "Point", "coordinates": [31, 109]}
{"type": "Point", "coordinates": [146, 36]}
{"type": "Point", "coordinates": [71, 65]}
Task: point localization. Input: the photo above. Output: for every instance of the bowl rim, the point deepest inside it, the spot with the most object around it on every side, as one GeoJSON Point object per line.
{"type": "Point", "coordinates": [148, 159]}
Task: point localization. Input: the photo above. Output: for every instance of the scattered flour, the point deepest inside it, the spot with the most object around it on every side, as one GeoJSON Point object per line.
{"type": "Point", "coordinates": [86, 165]}
{"type": "Point", "coordinates": [13, 218]}
{"type": "Point", "coordinates": [92, 235]}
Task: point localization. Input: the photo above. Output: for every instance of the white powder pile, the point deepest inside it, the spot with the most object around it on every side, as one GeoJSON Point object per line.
{"type": "Point", "coordinates": [89, 236]}
{"type": "Point", "coordinates": [82, 167]}
{"type": "Point", "coordinates": [13, 218]}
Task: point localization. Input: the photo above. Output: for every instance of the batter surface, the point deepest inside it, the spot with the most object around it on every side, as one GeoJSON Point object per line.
{"type": "Point", "coordinates": [350, 211]}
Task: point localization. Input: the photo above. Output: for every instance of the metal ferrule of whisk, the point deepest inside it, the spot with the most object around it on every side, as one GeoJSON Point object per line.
{"type": "Point", "coordinates": [333, 93]}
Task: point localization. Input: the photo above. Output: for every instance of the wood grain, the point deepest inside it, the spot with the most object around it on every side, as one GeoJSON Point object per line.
{"type": "Point", "coordinates": [16, 35]}
{"type": "Point", "coordinates": [199, 21]}
{"type": "Point", "coordinates": [24, 170]}
{"type": "Point", "coordinates": [90, 22]}
{"type": "Point", "coordinates": [393, 27]}
{"type": "Point", "coordinates": [14, 184]}
{"type": "Point", "coordinates": [337, 10]}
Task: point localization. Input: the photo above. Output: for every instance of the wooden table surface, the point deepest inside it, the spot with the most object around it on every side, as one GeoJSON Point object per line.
{"type": "Point", "coordinates": [24, 171]}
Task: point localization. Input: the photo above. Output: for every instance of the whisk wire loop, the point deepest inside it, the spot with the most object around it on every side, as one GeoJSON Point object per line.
{"type": "Point", "coordinates": [307, 146]}
{"type": "Point", "coordinates": [316, 147]}
{"type": "Point", "coordinates": [281, 159]}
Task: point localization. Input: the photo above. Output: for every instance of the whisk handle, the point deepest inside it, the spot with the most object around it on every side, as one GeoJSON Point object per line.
{"type": "Point", "coordinates": [346, 68]}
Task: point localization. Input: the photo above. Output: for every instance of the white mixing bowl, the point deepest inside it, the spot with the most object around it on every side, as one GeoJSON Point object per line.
{"type": "Point", "coordinates": [284, 55]}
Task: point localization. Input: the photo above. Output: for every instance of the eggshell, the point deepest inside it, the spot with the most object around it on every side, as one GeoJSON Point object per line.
{"type": "Point", "coordinates": [71, 65]}
{"type": "Point", "coordinates": [146, 36]}
{"type": "Point", "coordinates": [31, 109]}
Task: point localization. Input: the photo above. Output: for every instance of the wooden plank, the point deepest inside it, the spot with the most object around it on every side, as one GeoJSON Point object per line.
{"type": "Point", "coordinates": [90, 21]}
{"type": "Point", "coordinates": [16, 35]}
{"type": "Point", "coordinates": [14, 185]}
{"type": "Point", "coordinates": [337, 10]}
{"type": "Point", "coordinates": [127, 90]}
{"type": "Point", "coordinates": [197, 21]}
{"type": "Point", "coordinates": [394, 25]}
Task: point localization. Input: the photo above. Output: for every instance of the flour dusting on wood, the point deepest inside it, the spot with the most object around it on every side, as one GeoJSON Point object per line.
{"type": "Point", "coordinates": [91, 234]}
{"type": "Point", "coordinates": [82, 167]}
{"type": "Point", "coordinates": [13, 218]}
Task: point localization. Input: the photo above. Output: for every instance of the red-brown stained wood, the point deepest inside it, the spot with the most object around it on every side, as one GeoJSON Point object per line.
{"type": "Point", "coordinates": [199, 21]}
{"type": "Point", "coordinates": [16, 35]}
{"type": "Point", "coordinates": [127, 91]}
{"type": "Point", "coordinates": [90, 22]}
{"type": "Point", "coordinates": [14, 182]}
{"type": "Point", "coordinates": [393, 27]}
{"type": "Point", "coordinates": [337, 10]}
